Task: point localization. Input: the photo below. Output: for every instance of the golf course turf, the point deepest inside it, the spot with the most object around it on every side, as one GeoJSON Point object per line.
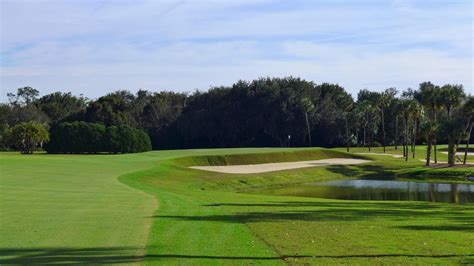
{"type": "Point", "coordinates": [152, 208]}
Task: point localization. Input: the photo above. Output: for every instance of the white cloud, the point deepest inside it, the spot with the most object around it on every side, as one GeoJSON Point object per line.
{"type": "Point", "coordinates": [95, 47]}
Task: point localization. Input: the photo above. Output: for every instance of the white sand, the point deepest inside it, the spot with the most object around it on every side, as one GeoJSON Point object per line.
{"type": "Point", "coordinates": [461, 153]}
{"type": "Point", "coordinates": [384, 154]}
{"type": "Point", "coordinates": [270, 167]}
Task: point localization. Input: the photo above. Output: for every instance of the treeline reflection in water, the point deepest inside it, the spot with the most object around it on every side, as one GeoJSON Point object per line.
{"type": "Point", "coordinates": [380, 190]}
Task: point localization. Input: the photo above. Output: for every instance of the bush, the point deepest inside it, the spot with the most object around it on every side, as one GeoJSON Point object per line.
{"type": "Point", "coordinates": [376, 144]}
{"type": "Point", "coordinates": [82, 137]}
{"type": "Point", "coordinates": [125, 139]}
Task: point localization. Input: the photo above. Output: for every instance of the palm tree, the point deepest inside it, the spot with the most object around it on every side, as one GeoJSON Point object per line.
{"type": "Point", "coordinates": [468, 138]}
{"type": "Point", "coordinates": [453, 128]}
{"type": "Point", "coordinates": [429, 95]}
{"type": "Point", "coordinates": [451, 96]}
{"type": "Point", "coordinates": [361, 112]}
{"type": "Point", "coordinates": [468, 114]}
{"type": "Point", "coordinates": [370, 116]}
{"type": "Point", "coordinates": [416, 112]}
{"type": "Point", "coordinates": [429, 128]}
{"type": "Point", "coordinates": [408, 108]}
{"type": "Point", "coordinates": [398, 112]}
{"type": "Point", "coordinates": [308, 107]}
{"type": "Point", "coordinates": [386, 99]}
{"type": "Point", "coordinates": [405, 108]}
{"type": "Point", "coordinates": [348, 113]}
{"type": "Point", "coordinates": [358, 120]}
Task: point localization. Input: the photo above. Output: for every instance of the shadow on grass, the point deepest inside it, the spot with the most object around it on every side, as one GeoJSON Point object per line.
{"type": "Point", "coordinates": [388, 172]}
{"type": "Point", "coordinates": [81, 256]}
{"type": "Point", "coordinates": [102, 255]}
{"type": "Point", "coordinates": [366, 171]}
{"type": "Point", "coordinates": [331, 211]}
{"type": "Point", "coordinates": [467, 227]}
{"type": "Point", "coordinates": [403, 205]}
{"type": "Point", "coordinates": [50, 256]}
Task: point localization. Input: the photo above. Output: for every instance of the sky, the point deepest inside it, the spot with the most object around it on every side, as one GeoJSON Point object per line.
{"type": "Point", "coordinates": [94, 47]}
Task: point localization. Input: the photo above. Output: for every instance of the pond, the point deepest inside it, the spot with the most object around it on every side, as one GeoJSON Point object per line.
{"type": "Point", "coordinates": [380, 190]}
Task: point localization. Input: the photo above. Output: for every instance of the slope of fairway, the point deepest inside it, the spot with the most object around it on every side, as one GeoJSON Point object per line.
{"type": "Point", "coordinates": [202, 220]}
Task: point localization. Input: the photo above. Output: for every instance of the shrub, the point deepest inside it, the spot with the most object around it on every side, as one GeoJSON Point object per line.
{"type": "Point", "coordinates": [125, 139]}
{"type": "Point", "coordinates": [376, 144]}
{"type": "Point", "coordinates": [82, 137]}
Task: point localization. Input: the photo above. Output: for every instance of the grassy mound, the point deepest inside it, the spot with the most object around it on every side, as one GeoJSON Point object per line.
{"type": "Point", "coordinates": [261, 158]}
{"type": "Point", "coordinates": [201, 220]}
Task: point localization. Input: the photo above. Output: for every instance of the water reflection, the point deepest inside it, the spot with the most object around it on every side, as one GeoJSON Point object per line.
{"type": "Point", "coordinates": [381, 190]}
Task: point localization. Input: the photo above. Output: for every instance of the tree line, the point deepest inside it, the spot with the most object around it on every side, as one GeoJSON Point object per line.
{"type": "Point", "coordinates": [264, 112]}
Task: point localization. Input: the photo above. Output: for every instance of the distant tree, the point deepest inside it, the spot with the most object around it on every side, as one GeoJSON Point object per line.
{"type": "Point", "coordinates": [386, 99]}
{"type": "Point", "coordinates": [429, 129]}
{"type": "Point", "coordinates": [451, 97]}
{"type": "Point", "coordinates": [332, 103]}
{"type": "Point", "coordinates": [112, 109]}
{"type": "Point", "coordinates": [21, 108]}
{"type": "Point", "coordinates": [158, 116]}
{"type": "Point", "coordinates": [467, 114]}
{"type": "Point", "coordinates": [58, 105]}
{"type": "Point", "coordinates": [308, 107]}
{"type": "Point", "coordinates": [409, 109]}
{"type": "Point", "coordinates": [5, 114]}
{"type": "Point", "coordinates": [348, 116]}
{"type": "Point", "coordinates": [27, 136]}
{"type": "Point", "coordinates": [397, 112]}
{"type": "Point", "coordinates": [23, 96]}
{"type": "Point", "coordinates": [416, 113]}
{"type": "Point", "coordinates": [453, 128]}
{"type": "Point", "coordinates": [262, 112]}
{"type": "Point", "coordinates": [370, 103]}
{"type": "Point", "coordinates": [369, 116]}
{"type": "Point", "coordinates": [428, 96]}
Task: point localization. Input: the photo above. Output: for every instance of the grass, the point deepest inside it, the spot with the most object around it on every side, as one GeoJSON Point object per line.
{"type": "Point", "coordinates": [72, 209]}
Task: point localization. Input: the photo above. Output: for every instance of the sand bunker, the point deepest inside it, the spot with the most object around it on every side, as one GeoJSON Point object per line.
{"type": "Point", "coordinates": [270, 167]}
{"type": "Point", "coordinates": [460, 153]}
{"type": "Point", "coordinates": [384, 154]}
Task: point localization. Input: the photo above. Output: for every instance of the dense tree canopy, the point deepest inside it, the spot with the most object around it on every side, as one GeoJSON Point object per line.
{"type": "Point", "coordinates": [263, 112]}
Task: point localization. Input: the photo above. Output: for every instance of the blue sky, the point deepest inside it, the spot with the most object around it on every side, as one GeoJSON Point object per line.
{"type": "Point", "coordinates": [95, 47]}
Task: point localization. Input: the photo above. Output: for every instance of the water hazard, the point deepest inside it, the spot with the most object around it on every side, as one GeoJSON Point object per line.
{"type": "Point", "coordinates": [380, 190]}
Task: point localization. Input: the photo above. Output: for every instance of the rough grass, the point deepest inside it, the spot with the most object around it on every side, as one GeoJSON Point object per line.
{"type": "Point", "coordinates": [414, 169]}
{"type": "Point", "coordinates": [87, 216]}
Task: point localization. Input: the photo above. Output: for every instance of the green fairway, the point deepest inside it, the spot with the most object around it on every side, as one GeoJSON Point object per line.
{"type": "Point", "coordinates": [72, 208]}
{"type": "Point", "coordinates": [82, 209]}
